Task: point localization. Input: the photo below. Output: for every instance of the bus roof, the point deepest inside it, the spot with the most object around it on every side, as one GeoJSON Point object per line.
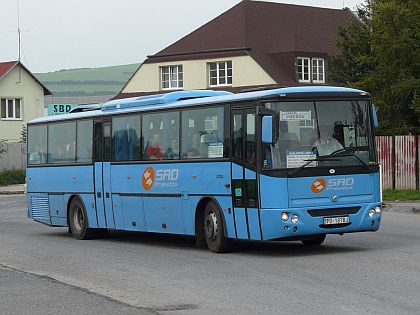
{"type": "Point", "coordinates": [200, 97]}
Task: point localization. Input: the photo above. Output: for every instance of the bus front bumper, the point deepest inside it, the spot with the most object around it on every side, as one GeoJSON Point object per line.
{"type": "Point", "coordinates": [273, 226]}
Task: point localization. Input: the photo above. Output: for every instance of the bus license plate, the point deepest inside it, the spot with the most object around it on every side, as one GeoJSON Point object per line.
{"type": "Point", "coordinates": [336, 220]}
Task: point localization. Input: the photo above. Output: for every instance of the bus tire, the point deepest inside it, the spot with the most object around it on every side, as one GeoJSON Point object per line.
{"type": "Point", "coordinates": [78, 220]}
{"type": "Point", "coordinates": [315, 241]}
{"type": "Point", "coordinates": [214, 229]}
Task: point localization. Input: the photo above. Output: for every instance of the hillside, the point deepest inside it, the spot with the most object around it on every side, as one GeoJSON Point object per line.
{"type": "Point", "coordinates": [87, 81]}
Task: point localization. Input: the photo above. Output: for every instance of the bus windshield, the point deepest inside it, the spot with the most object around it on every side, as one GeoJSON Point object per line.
{"type": "Point", "coordinates": [332, 133]}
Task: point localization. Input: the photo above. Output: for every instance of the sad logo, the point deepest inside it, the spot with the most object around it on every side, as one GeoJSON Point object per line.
{"type": "Point", "coordinates": [148, 178]}
{"type": "Point", "coordinates": [318, 185]}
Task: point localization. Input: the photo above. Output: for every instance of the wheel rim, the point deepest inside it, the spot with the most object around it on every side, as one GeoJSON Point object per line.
{"type": "Point", "coordinates": [79, 218]}
{"type": "Point", "coordinates": [210, 226]}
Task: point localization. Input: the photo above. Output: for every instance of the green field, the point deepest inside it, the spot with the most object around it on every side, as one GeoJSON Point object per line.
{"type": "Point", "coordinates": [87, 81]}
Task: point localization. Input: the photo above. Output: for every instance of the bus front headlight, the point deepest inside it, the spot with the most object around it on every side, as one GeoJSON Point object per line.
{"type": "Point", "coordinates": [372, 213]}
{"type": "Point", "coordinates": [295, 218]}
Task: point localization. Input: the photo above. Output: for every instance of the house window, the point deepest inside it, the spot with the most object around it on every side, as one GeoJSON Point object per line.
{"type": "Point", "coordinates": [311, 70]}
{"type": "Point", "coordinates": [11, 108]}
{"type": "Point", "coordinates": [318, 70]}
{"type": "Point", "coordinates": [220, 73]}
{"type": "Point", "coordinates": [172, 77]}
{"type": "Point", "coordinates": [304, 69]}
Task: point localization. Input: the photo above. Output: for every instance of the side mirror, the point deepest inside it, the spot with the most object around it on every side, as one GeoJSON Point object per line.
{"type": "Point", "coordinates": [268, 130]}
{"type": "Point", "coordinates": [375, 116]}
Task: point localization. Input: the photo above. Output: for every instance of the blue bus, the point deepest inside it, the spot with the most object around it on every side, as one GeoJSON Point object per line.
{"type": "Point", "coordinates": [292, 163]}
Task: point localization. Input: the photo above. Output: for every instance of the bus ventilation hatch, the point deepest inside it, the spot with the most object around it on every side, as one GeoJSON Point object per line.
{"type": "Point", "coordinates": [160, 99]}
{"type": "Point", "coordinates": [40, 209]}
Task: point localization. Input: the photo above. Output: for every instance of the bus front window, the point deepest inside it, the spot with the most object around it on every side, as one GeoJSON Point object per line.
{"type": "Point", "coordinates": [315, 129]}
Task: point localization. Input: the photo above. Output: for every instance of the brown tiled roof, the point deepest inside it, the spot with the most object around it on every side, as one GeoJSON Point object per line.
{"type": "Point", "coordinates": [6, 67]}
{"type": "Point", "coordinates": [272, 33]}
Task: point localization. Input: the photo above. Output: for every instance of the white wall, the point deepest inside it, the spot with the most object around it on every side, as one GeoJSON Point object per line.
{"type": "Point", "coordinates": [32, 95]}
{"type": "Point", "coordinates": [245, 72]}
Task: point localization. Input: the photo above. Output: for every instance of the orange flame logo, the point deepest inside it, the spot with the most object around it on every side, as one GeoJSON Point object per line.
{"type": "Point", "coordinates": [318, 185]}
{"type": "Point", "coordinates": [148, 178]}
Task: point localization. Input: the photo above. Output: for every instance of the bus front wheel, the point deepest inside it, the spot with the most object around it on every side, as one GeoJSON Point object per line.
{"type": "Point", "coordinates": [78, 220]}
{"type": "Point", "coordinates": [213, 229]}
{"type": "Point", "coordinates": [315, 241]}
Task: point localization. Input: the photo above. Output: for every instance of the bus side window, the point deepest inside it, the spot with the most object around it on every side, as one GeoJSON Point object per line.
{"type": "Point", "coordinates": [37, 144]}
{"type": "Point", "coordinates": [161, 136]}
{"type": "Point", "coordinates": [84, 141]}
{"type": "Point", "coordinates": [62, 142]}
{"type": "Point", "coordinates": [202, 133]}
{"type": "Point", "coordinates": [126, 138]}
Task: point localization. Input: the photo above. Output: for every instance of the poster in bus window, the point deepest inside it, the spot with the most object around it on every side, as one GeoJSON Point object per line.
{"type": "Point", "coordinates": [215, 150]}
{"type": "Point", "coordinates": [298, 158]}
{"type": "Point", "coordinates": [295, 116]}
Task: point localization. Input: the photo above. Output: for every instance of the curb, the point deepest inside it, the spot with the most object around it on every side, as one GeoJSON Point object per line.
{"type": "Point", "coordinates": [16, 192]}
{"type": "Point", "coordinates": [401, 208]}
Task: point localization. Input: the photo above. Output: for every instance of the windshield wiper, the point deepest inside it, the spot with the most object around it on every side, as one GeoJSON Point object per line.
{"type": "Point", "coordinates": [320, 158]}
{"type": "Point", "coordinates": [349, 153]}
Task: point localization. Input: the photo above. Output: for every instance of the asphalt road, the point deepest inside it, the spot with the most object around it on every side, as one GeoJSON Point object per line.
{"type": "Point", "coordinates": [142, 273]}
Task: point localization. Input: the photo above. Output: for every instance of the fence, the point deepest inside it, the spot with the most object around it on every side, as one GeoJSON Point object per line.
{"type": "Point", "coordinates": [399, 156]}
{"type": "Point", "coordinates": [14, 158]}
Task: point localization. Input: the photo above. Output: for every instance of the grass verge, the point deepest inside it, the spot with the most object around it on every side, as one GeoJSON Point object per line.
{"type": "Point", "coordinates": [401, 195]}
{"type": "Point", "coordinates": [12, 177]}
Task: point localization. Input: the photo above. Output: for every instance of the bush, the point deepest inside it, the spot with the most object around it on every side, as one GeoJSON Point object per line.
{"type": "Point", "coordinates": [12, 177]}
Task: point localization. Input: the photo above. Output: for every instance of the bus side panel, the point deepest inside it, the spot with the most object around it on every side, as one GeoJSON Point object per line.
{"type": "Point", "coordinates": [164, 214]}
{"type": "Point", "coordinates": [378, 187]}
{"type": "Point", "coordinates": [226, 206]}
{"type": "Point", "coordinates": [169, 203]}
{"type": "Point", "coordinates": [60, 179]}
{"type": "Point", "coordinates": [58, 184]}
{"type": "Point", "coordinates": [273, 192]}
{"type": "Point", "coordinates": [58, 210]}
{"type": "Point", "coordinates": [240, 219]}
{"type": "Point", "coordinates": [254, 224]}
{"type": "Point", "coordinates": [252, 210]}
{"type": "Point", "coordinates": [128, 211]}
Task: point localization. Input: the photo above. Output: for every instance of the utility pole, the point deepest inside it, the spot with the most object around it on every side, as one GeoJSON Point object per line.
{"type": "Point", "coordinates": [19, 41]}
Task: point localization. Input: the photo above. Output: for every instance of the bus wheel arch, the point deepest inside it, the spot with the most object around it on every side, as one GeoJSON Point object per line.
{"type": "Point", "coordinates": [69, 201]}
{"type": "Point", "coordinates": [208, 206]}
{"type": "Point", "coordinates": [77, 218]}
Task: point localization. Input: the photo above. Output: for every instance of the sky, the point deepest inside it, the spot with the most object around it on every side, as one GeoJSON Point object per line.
{"type": "Point", "coordinates": [67, 34]}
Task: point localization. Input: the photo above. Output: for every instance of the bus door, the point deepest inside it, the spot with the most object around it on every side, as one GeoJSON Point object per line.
{"type": "Point", "coordinates": [244, 176]}
{"type": "Point", "coordinates": [103, 194]}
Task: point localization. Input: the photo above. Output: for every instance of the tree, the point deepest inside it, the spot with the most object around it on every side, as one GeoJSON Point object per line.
{"type": "Point", "coordinates": [3, 147]}
{"type": "Point", "coordinates": [23, 134]}
{"type": "Point", "coordinates": [380, 54]}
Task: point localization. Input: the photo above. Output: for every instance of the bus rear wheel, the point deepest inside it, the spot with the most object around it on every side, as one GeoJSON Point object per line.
{"type": "Point", "coordinates": [315, 241]}
{"type": "Point", "coordinates": [78, 220]}
{"type": "Point", "coordinates": [213, 229]}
